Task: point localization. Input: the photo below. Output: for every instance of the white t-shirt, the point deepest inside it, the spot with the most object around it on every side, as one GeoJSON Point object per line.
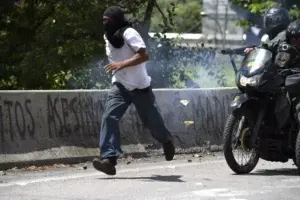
{"type": "Point", "coordinates": [131, 77]}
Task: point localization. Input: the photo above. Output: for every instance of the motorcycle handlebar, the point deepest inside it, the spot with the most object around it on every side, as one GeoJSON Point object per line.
{"type": "Point", "coordinates": [287, 72]}
{"type": "Point", "coordinates": [226, 51]}
{"type": "Point", "coordinates": [237, 51]}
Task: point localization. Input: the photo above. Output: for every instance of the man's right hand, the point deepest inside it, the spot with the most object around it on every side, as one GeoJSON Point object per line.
{"type": "Point", "coordinates": [248, 50]}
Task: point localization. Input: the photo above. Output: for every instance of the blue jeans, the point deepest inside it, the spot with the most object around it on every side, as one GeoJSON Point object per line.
{"type": "Point", "coordinates": [118, 100]}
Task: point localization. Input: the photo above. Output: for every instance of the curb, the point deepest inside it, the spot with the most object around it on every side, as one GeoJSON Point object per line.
{"type": "Point", "coordinates": [83, 159]}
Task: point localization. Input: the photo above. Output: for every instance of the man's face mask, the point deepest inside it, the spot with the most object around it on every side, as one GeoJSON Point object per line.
{"type": "Point", "coordinates": [108, 24]}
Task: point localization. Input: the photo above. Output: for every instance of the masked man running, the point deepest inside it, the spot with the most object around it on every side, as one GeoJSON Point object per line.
{"type": "Point", "coordinates": [127, 54]}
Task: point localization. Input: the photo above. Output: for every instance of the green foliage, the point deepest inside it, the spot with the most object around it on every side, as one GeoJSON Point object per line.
{"type": "Point", "coordinates": [259, 7]}
{"type": "Point", "coordinates": [255, 6]}
{"type": "Point", "coordinates": [44, 43]}
{"type": "Point", "coordinates": [184, 14]}
{"type": "Point", "coordinates": [44, 40]}
{"type": "Point", "coordinates": [58, 44]}
{"type": "Point", "coordinates": [168, 66]}
{"type": "Point", "coordinates": [295, 13]}
{"type": "Point", "coordinates": [170, 63]}
{"type": "Point", "coordinates": [243, 23]}
{"type": "Point", "coordinates": [187, 15]}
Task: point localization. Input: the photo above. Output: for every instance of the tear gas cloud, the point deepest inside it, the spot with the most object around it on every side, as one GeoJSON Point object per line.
{"type": "Point", "coordinates": [170, 66]}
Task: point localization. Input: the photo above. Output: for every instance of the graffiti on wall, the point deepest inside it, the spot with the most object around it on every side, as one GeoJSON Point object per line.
{"type": "Point", "coordinates": [73, 117]}
{"type": "Point", "coordinates": [19, 117]}
{"type": "Point", "coordinates": [79, 117]}
{"type": "Point", "coordinates": [64, 117]}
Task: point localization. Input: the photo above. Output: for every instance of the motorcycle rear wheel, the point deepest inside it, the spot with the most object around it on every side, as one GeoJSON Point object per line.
{"type": "Point", "coordinates": [228, 150]}
{"type": "Point", "coordinates": [297, 153]}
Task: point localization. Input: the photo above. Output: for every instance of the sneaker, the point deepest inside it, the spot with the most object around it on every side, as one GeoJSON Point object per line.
{"type": "Point", "coordinates": [106, 166]}
{"type": "Point", "coordinates": [169, 150]}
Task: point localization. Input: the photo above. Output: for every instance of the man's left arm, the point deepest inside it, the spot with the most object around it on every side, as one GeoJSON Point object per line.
{"type": "Point", "coordinates": [134, 40]}
{"type": "Point", "coordinates": [141, 56]}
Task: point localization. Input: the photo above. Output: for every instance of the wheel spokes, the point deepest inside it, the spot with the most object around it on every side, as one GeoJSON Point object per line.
{"type": "Point", "coordinates": [240, 135]}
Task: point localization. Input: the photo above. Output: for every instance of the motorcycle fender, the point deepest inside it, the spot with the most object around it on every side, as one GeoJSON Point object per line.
{"type": "Point", "coordinates": [239, 100]}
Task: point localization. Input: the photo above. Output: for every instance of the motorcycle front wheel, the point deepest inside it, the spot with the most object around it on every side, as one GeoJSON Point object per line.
{"type": "Point", "coordinates": [297, 153]}
{"type": "Point", "coordinates": [237, 134]}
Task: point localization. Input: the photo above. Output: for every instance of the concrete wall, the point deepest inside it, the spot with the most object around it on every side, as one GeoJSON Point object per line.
{"type": "Point", "coordinates": [37, 125]}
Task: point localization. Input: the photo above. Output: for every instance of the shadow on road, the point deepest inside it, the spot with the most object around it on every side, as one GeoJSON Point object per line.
{"type": "Point", "coordinates": [275, 172]}
{"type": "Point", "coordinates": [172, 178]}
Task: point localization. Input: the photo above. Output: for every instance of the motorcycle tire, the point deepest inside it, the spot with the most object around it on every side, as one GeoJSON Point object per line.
{"type": "Point", "coordinates": [227, 149]}
{"type": "Point", "coordinates": [297, 153]}
{"type": "Point", "coordinates": [294, 161]}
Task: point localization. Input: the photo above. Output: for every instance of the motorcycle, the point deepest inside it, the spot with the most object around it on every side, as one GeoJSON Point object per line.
{"type": "Point", "coordinates": [262, 122]}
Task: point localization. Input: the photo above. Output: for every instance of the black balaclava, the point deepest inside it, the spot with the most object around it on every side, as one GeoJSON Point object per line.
{"type": "Point", "coordinates": [114, 25]}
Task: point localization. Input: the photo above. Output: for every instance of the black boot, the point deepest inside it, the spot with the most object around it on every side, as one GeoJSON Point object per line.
{"type": "Point", "coordinates": [106, 165]}
{"type": "Point", "coordinates": [169, 150]}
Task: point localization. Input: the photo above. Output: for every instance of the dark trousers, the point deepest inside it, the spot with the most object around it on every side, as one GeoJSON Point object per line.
{"type": "Point", "coordinates": [118, 100]}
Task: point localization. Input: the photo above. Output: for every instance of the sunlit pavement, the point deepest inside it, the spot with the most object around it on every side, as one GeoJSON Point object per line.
{"type": "Point", "coordinates": [187, 177]}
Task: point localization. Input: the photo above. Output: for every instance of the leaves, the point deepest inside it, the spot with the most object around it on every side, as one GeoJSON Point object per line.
{"type": "Point", "coordinates": [181, 16]}
{"type": "Point", "coordinates": [41, 41]}
{"type": "Point", "coordinates": [58, 44]}
{"type": "Point", "coordinates": [259, 7]}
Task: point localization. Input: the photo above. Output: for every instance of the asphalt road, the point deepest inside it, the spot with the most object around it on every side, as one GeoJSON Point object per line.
{"type": "Point", "coordinates": [187, 177]}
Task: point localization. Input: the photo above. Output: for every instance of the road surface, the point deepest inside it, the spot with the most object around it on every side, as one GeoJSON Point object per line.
{"type": "Point", "coordinates": [187, 177]}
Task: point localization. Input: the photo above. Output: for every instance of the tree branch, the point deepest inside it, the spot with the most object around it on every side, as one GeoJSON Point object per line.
{"type": "Point", "coordinates": [160, 11]}
{"type": "Point", "coordinates": [149, 10]}
{"type": "Point", "coordinates": [45, 17]}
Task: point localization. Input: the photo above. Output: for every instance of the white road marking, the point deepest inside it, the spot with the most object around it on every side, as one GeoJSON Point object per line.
{"type": "Point", "coordinates": [291, 180]}
{"type": "Point", "coordinates": [171, 166]}
{"type": "Point", "coordinates": [220, 192]}
{"type": "Point", "coordinates": [84, 175]}
{"type": "Point", "coordinates": [237, 199]}
{"type": "Point", "coordinates": [287, 183]}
